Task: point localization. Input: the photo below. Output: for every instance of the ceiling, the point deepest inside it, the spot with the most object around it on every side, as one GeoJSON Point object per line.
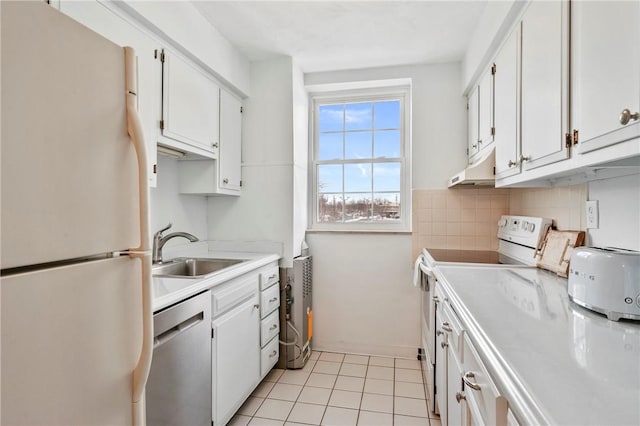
{"type": "Point", "coordinates": [328, 35]}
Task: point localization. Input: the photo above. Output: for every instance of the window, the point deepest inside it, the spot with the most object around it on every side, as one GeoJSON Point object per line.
{"type": "Point", "coordinates": [359, 159]}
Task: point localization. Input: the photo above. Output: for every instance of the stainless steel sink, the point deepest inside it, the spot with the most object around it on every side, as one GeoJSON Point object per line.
{"type": "Point", "coordinates": [192, 267]}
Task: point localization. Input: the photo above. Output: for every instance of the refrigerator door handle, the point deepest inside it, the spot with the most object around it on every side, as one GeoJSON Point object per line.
{"type": "Point", "coordinates": [134, 127]}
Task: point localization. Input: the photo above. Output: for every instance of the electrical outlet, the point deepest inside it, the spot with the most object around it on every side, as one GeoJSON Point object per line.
{"type": "Point", "coordinates": [592, 214]}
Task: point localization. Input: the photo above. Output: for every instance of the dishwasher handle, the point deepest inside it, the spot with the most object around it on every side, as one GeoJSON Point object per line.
{"type": "Point", "coordinates": [176, 330]}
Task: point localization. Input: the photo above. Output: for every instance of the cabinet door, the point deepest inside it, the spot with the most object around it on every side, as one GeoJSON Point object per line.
{"type": "Point", "coordinates": [506, 104]}
{"type": "Point", "coordinates": [441, 369]}
{"type": "Point", "coordinates": [544, 83]}
{"type": "Point", "coordinates": [236, 358]}
{"type": "Point", "coordinates": [606, 71]}
{"type": "Point", "coordinates": [111, 25]}
{"type": "Point", "coordinates": [190, 106]}
{"type": "Point", "coordinates": [485, 112]}
{"type": "Point", "coordinates": [473, 107]}
{"type": "Point", "coordinates": [454, 387]}
{"type": "Point", "coordinates": [230, 141]}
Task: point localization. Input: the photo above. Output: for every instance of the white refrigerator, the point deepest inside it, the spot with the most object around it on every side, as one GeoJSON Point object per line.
{"type": "Point", "coordinates": [75, 293]}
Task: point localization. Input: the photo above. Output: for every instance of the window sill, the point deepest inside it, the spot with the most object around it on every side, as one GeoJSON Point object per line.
{"type": "Point", "coordinates": [357, 231]}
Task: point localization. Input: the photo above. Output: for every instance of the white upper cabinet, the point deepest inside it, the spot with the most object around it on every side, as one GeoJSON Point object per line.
{"type": "Point", "coordinates": [473, 107]}
{"type": "Point", "coordinates": [485, 113]}
{"type": "Point", "coordinates": [545, 84]}
{"type": "Point", "coordinates": [506, 104]}
{"type": "Point", "coordinates": [481, 126]}
{"type": "Point", "coordinates": [190, 107]}
{"type": "Point", "coordinates": [113, 26]}
{"type": "Point", "coordinates": [606, 72]}
{"type": "Point", "coordinates": [229, 163]}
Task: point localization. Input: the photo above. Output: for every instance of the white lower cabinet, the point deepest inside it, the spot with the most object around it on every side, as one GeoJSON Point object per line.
{"type": "Point", "coordinates": [244, 338]}
{"type": "Point", "coordinates": [236, 351]}
{"type": "Point", "coordinates": [465, 392]}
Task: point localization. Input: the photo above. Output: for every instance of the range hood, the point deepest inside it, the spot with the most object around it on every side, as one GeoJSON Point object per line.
{"type": "Point", "coordinates": [480, 172]}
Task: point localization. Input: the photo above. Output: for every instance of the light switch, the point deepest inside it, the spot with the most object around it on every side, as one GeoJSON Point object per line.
{"type": "Point", "coordinates": [592, 214]}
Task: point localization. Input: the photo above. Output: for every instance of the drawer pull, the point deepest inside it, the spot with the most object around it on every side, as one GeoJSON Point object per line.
{"type": "Point", "coordinates": [460, 396]}
{"type": "Point", "coordinates": [272, 354]}
{"type": "Point", "coordinates": [273, 327]}
{"type": "Point", "coordinates": [446, 327]}
{"type": "Point", "coordinates": [466, 378]}
{"type": "Point", "coordinates": [439, 333]}
{"type": "Point", "coordinates": [273, 299]}
{"type": "Point", "coordinates": [436, 299]}
{"type": "Point", "coordinates": [272, 276]}
{"type": "Point", "coordinates": [256, 306]}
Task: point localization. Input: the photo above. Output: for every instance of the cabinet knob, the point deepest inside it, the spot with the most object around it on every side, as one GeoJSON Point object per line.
{"type": "Point", "coordinates": [444, 345]}
{"type": "Point", "coordinates": [524, 159]}
{"type": "Point", "coordinates": [225, 180]}
{"type": "Point", "coordinates": [273, 327]}
{"type": "Point", "coordinates": [474, 146]}
{"type": "Point", "coordinates": [446, 327]}
{"type": "Point", "coordinates": [215, 144]}
{"type": "Point", "coordinates": [626, 116]}
{"type": "Point", "coordinates": [512, 163]}
{"type": "Point", "coordinates": [274, 353]}
{"type": "Point", "coordinates": [460, 396]}
{"type": "Point", "coordinates": [256, 306]}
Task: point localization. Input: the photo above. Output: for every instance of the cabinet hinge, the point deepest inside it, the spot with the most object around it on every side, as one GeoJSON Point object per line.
{"type": "Point", "coordinates": [213, 334]}
{"type": "Point", "coordinates": [567, 140]}
{"type": "Point", "coordinates": [161, 124]}
{"type": "Point", "coordinates": [493, 69]}
{"type": "Point", "coordinates": [162, 56]}
{"type": "Point", "coordinates": [241, 110]}
{"type": "Point", "coordinates": [493, 131]}
{"type": "Point", "coordinates": [241, 183]}
{"type": "Point", "coordinates": [575, 137]}
{"type": "Point", "coordinates": [467, 106]}
{"type": "Point", "coordinates": [155, 169]}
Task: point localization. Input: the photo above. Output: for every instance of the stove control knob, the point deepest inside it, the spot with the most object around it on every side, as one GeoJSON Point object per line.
{"type": "Point", "coordinates": [531, 227]}
{"type": "Point", "coordinates": [524, 224]}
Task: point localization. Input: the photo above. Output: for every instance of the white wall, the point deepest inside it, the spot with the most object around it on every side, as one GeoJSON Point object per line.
{"type": "Point", "coordinates": [619, 203]}
{"type": "Point", "coordinates": [265, 210]}
{"type": "Point", "coordinates": [362, 298]}
{"type": "Point", "coordinates": [188, 213]}
{"type": "Point", "coordinates": [300, 158]}
{"type": "Point", "coordinates": [182, 23]}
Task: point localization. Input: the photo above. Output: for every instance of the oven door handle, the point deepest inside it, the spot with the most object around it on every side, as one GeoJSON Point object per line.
{"type": "Point", "coordinates": [426, 270]}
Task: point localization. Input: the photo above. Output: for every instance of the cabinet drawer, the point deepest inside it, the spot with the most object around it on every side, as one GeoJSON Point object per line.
{"type": "Point", "coordinates": [233, 293]}
{"type": "Point", "coordinates": [269, 300]}
{"type": "Point", "coordinates": [269, 277]}
{"type": "Point", "coordinates": [454, 330]}
{"type": "Point", "coordinates": [269, 356]}
{"type": "Point", "coordinates": [481, 393]}
{"type": "Point", "coordinates": [269, 327]}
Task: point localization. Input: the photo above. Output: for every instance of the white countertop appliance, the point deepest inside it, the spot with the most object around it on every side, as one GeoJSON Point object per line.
{"type": "Point", "coordinates": [518, 239]}
{"type": "Point", "coordinates": [606, 280]}
{"type": "Point", "coordinates": [77, 332]}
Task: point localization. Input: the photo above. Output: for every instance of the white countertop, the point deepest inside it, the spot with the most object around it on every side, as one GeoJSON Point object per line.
{"type": "Point", "coordinates": [555, 362]}
{"type": "Point", "coordinates": [168, 290]}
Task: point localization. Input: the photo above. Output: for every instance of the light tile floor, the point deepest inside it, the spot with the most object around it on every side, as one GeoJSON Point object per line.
{"type": "Point", "coordinates": [341, 390]}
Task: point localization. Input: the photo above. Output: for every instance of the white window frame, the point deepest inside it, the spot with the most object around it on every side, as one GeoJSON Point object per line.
{"type": "Point", "coordinates": [352, 96]}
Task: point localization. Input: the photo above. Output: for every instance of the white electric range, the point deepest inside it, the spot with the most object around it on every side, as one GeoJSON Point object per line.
{"type": "Point", "coordinates": [518, 240]}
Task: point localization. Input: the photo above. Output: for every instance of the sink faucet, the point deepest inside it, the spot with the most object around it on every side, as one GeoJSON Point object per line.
{"type": "Point", "coordinates": [159, 241]}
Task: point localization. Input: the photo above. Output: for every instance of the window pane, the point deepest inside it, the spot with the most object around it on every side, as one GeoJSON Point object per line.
{"type": "Point", "coordinates": [357, 145]}
{"type": "Point", "coordinates": [357, 177]}
{"type": "Point", "coordinates": [387, 115]}
{"type": "Point", "coordinates": [386, 206]}
{"type": "Point", "coordinates": [330, 208]}
{"type": "Point", "coordinates": [386, 177]}
{"type": "Point", "coordinates": [386, 144]}
{"type": "Point", "coordinates": [358, 116]}
{"type": "Point", "coordinates": [330, 146]}
{"type": "Point", "coordinates": [331, 118]}
{"type": "Point", "coordinates": [330, 178]}
{"type": "Point", "coordinates": [357, 207]}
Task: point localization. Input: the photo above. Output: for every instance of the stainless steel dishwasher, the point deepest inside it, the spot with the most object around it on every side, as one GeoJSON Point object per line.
{"type": "Point", "coordinates": [179, 385]}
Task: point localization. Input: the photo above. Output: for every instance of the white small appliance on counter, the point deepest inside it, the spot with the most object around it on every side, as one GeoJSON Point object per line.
{"type": "Point", "coordinates": [606, 280]}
